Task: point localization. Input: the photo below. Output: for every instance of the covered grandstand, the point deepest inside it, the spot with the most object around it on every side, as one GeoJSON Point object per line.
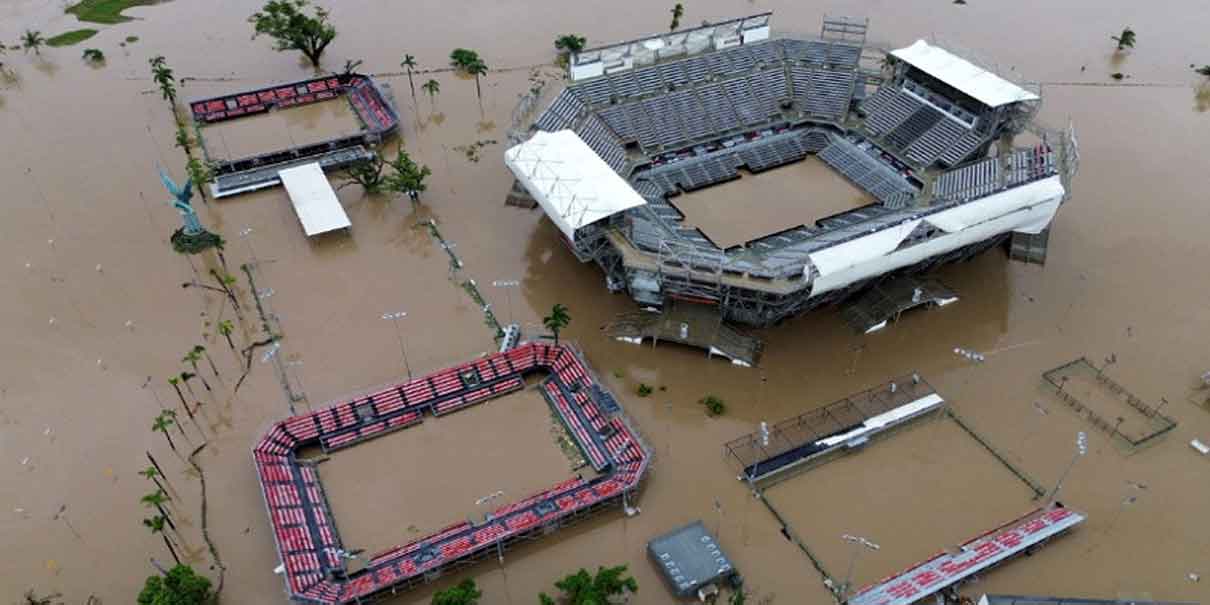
{"type": "Point", "coordinates": [925, 133]}
{"type": "Point", "coordinates": [319, 568]}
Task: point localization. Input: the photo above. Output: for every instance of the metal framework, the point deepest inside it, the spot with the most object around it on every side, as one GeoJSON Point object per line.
{"type": "Point", "coordinates": [1159, 423]}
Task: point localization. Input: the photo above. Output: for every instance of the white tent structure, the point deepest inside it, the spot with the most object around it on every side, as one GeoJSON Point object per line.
{"type": "Point", "coordinates": [985, 86]}
{"type": "Point", "coordinates": [574, 186]}
{"type": "Point", "coordinates": [315, 203]}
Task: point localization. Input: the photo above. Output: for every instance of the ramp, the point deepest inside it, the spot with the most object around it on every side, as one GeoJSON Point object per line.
{"type": "Point", "coordinates": [314, 201]}
{"type": "Point", "coordinates": [692, 324]}
{"type": "Point", "coordinates": [887, 301]}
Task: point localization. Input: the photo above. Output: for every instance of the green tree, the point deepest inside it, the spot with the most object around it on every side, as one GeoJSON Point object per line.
{"type": "Point", "coordinates": [192, 357]}
{"type": "Point", "coordinates": [407, 177]}
{"type": "Point", "coordinates": [678, 11]}
{"type": "Point", "coordinates": [556, 321]}
{"type": "Point", "coordinates": [431, 88]}
{"type": "Point", "coordinates": [408, 64]}
{"type": "Point", "coordinates": [226, 327]}
{"type": "Point", "coordinates": [32, 40]}
{"type": "Point", "coordinates": [465, 593]}
{"type": "Point", "coordinates": [161, 424]}
{"type": "Point", "coordinates": [291, 28]}
{"type": "Point", "coordinates": [202, 350]}
{"type": "Point", "coordinates": [1125, 39]}
{"type": "Point", "coordinates": [162, 75]}
{"type": "Point", "coordinates": [156, 525]}
{"type": "Point", "coordinates": [175, 381]}
{"type": "Point", "coordinates": [570, 43]}
{"type": "Point", "coordinates": [368, 173]}
{"type": "Point", "coordinates": [582, 588]}
{"type": "Point", "coordinates": [470, 63]}
{"type": "Point", "coordinates": [182, 586]}
{"type": "Point", "coordinates": [93, 55]}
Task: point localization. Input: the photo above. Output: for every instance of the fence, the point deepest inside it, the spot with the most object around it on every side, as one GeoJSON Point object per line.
{"type": "Point", "coordinates": [1058, 378]}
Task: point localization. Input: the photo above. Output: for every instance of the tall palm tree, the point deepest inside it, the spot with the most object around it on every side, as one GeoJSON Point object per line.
{"type": "Point", "coordinates": [162, 424]}
{"type": "Point", "coordinates": [202, 350]}
{"type": "Point", "coordinates": [156, 525]}
{"type": "Point", "coordinates": [1125, 39]}
{"type": "Point", "coordinates": [431, 88]}
{"type": "Point", "coordinates": [175, 381]}
{"type": "Point", "coordinates": [478, 68]}
{"type": "Point", "coordinates": [226, 327]}
{"type": "Point", "coordinates": [192, 357]}
{"type": "Point", "coordinates": [154, 475]}
{"type": "Point", "coordinates": [557, 320]}
{"type": "Point", "coordinates": [408, 64]}
{"type": "Point", "coordinates": [157, 499]}
{"type": "Point", "coordinates": [32, 40]}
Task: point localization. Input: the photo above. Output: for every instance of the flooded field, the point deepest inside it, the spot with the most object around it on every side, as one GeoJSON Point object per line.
{"type": "Point", "coordinates": [917, 485]}
{"type": "Point", "coordinates": [432, 475]}
{"type": "Point", "coordinates": [96, 321]}
{"type": "Point", "coordinates": [757, 205]}
{"type": "Point", "coordinates": [281, 129]}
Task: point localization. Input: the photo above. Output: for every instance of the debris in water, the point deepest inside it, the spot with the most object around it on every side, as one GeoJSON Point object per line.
{"type": "Point", "coordinates": [52, 321]}
{"type": "Point", "coordinates": [25, 461]}
{"type": "Point", "coordinates": [1193, 577]}
{"type": "Point", "coordinates": [129, 324]}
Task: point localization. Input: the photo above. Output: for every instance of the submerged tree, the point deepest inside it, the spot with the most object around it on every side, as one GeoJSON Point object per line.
{"type": "Point", "coordinates": [1125, 39]}
{"type": "Point", "coordinates": [465, 593]}
{"type": "Point", "coordinates": [556, 321]}
{"type": "Point", "coordinates": [431, 88]}
{"type": "Point", "coordinates": [180, 586]}
{"type": "Point", "coordinates": [291, 28]}
{"type": "Point", "coordinates": [583, 588]}
{"type": "Point", "coordinates": [408, 64]}
{"type": "Point", "coordinates": [32, 40]}
{"type": "Point", "coordinates": [94, 56]}
{"type": "Point", "coordinates": [570, 43]}
{"type": "Point", "coordinates": [678, 11]}
{"type": "Point", "coordinates": [407, 176]}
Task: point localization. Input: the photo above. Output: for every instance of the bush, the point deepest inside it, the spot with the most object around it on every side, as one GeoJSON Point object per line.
{"type": "Point", "coordinates": [645, 390]}
{"type": "Point", "coordinates": [714, 405]}
{"type": "Point", "coordinates": [180, 587]}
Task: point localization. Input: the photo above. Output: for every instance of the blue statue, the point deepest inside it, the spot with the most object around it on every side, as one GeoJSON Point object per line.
{"type": "Point", "coordinates": [182, 195]}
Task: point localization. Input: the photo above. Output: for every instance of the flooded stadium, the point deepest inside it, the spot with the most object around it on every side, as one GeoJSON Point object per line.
{"type": "Point", "coordinates": [97, 319]}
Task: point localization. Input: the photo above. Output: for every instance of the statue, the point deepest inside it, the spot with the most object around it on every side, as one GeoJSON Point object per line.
{"type": "Point", "coordinates": [192, 237]}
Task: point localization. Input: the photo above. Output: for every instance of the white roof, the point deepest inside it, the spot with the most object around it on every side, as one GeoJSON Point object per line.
{"type": "Point", "coordinates": [315, 203]}
{"type": "Point", "coordinates": [983, 85]}
{"type": "Point", "coordinates": [570, 181]}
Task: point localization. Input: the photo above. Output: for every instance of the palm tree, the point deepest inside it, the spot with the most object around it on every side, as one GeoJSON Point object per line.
{"type": "Point", "coordinates": [175, 381]}
{"type": "Point", "coordinates": [557, 320]}
{"type": "Point", "coordinates": [157, 499]}
{"type": "Point", "coordinates": [156, 525]}
{"type": "Point", "coordinates": [202, 350]}
{"type": "Point", "coordinates": [678, 11]}
{"type": "Point", "coordinates": [478, 68]}
{"type": "Point", "coordinates": [162, 75]}
{"type": "Point", "coordinates": [185, 377]}
{"type": "Point", "coordinates": [161, 424]}
{"type": "Point", "coordinates": [1125, 39]}
{"type": "Point", "coordinates": [32, 40]}
{"type": "Point", "coordinates": [153, 474]}
{"type": "Point", "coordinates": [192, 357]}
{"type": "Point", "coordinates": [408, 64]}
{"type": "Point", "coordinates": [570, 43]}
{"type": "Point", "coordinates": [226, 327]}
{"type": "Point", "coordinates": [431, 88]}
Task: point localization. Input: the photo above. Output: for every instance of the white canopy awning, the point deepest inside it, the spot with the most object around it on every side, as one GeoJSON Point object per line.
{"type": "Point", "coordinates": [983, 85]}
{"type": "Point", "coordinates": [572, 184]}
{"type": "Point", "coordinates": [315, 203]}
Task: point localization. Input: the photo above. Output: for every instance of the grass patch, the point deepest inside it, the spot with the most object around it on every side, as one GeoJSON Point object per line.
{"type": "Point", "coordinates": [107, 12]}
{"type": "Point", "coordinates": [74, 36]}
{"type": "Point", "coordinates": [132, 39]}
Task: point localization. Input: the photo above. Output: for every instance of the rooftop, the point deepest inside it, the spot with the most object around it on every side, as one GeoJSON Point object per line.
{"type": "Point", "coordinates": [689, 558]}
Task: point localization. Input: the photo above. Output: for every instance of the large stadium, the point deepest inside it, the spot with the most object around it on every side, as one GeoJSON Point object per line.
{"type": "Point", "coordinates": [947, 155]}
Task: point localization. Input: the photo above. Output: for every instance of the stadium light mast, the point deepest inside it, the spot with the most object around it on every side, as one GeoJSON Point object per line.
{"type": "Point", "coordinates": [859, 543]}
{"type": "Point", "coordinates": [394, 318]}
{"type": "Point", "coordinates": [507, 285]}
{"type": "Point", "coordinates": [1081, 450]}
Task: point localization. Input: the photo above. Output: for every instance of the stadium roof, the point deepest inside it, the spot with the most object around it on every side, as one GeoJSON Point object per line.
{"type": "Point", "coordinates": [572, 183]}
{"type": "Point", "coordinates": [316, 204]}
{"type": "Point", "coordinates": [983, 85]}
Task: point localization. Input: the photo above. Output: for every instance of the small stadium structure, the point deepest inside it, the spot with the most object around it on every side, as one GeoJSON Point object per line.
{"type": "Point", "coordinates": [319, 568]}
{"type": "Point", "coordinates": [948, 152]}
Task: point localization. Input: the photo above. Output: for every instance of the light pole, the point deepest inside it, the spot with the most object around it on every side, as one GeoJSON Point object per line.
{"type": "Point", "coordinates": [394, 318]}
{"type": "Point", "coordinates": [508, 301]}
{"type": "Point", "coordinates": [858, 543]}
{"type": "Point", "coordinates": [1081, 449]}
{"type": "Point", "coordinates": [484, 500]}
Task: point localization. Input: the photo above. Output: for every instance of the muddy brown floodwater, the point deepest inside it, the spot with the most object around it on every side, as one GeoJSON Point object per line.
{"type": "Point", "coordinates": [281, 129]}
{"type": "Point", "coordinates": [95, 321]}
{"type": "Point", "coordinates": [757, 205]}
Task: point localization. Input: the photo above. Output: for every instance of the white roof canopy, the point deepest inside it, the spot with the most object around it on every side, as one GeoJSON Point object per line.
{"type": "Point", "coordinates": [572, 184]}
{"type": "Point", "coordinates": [315, 203]}
{"type": "Point", "coordinates": [983, 85]}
